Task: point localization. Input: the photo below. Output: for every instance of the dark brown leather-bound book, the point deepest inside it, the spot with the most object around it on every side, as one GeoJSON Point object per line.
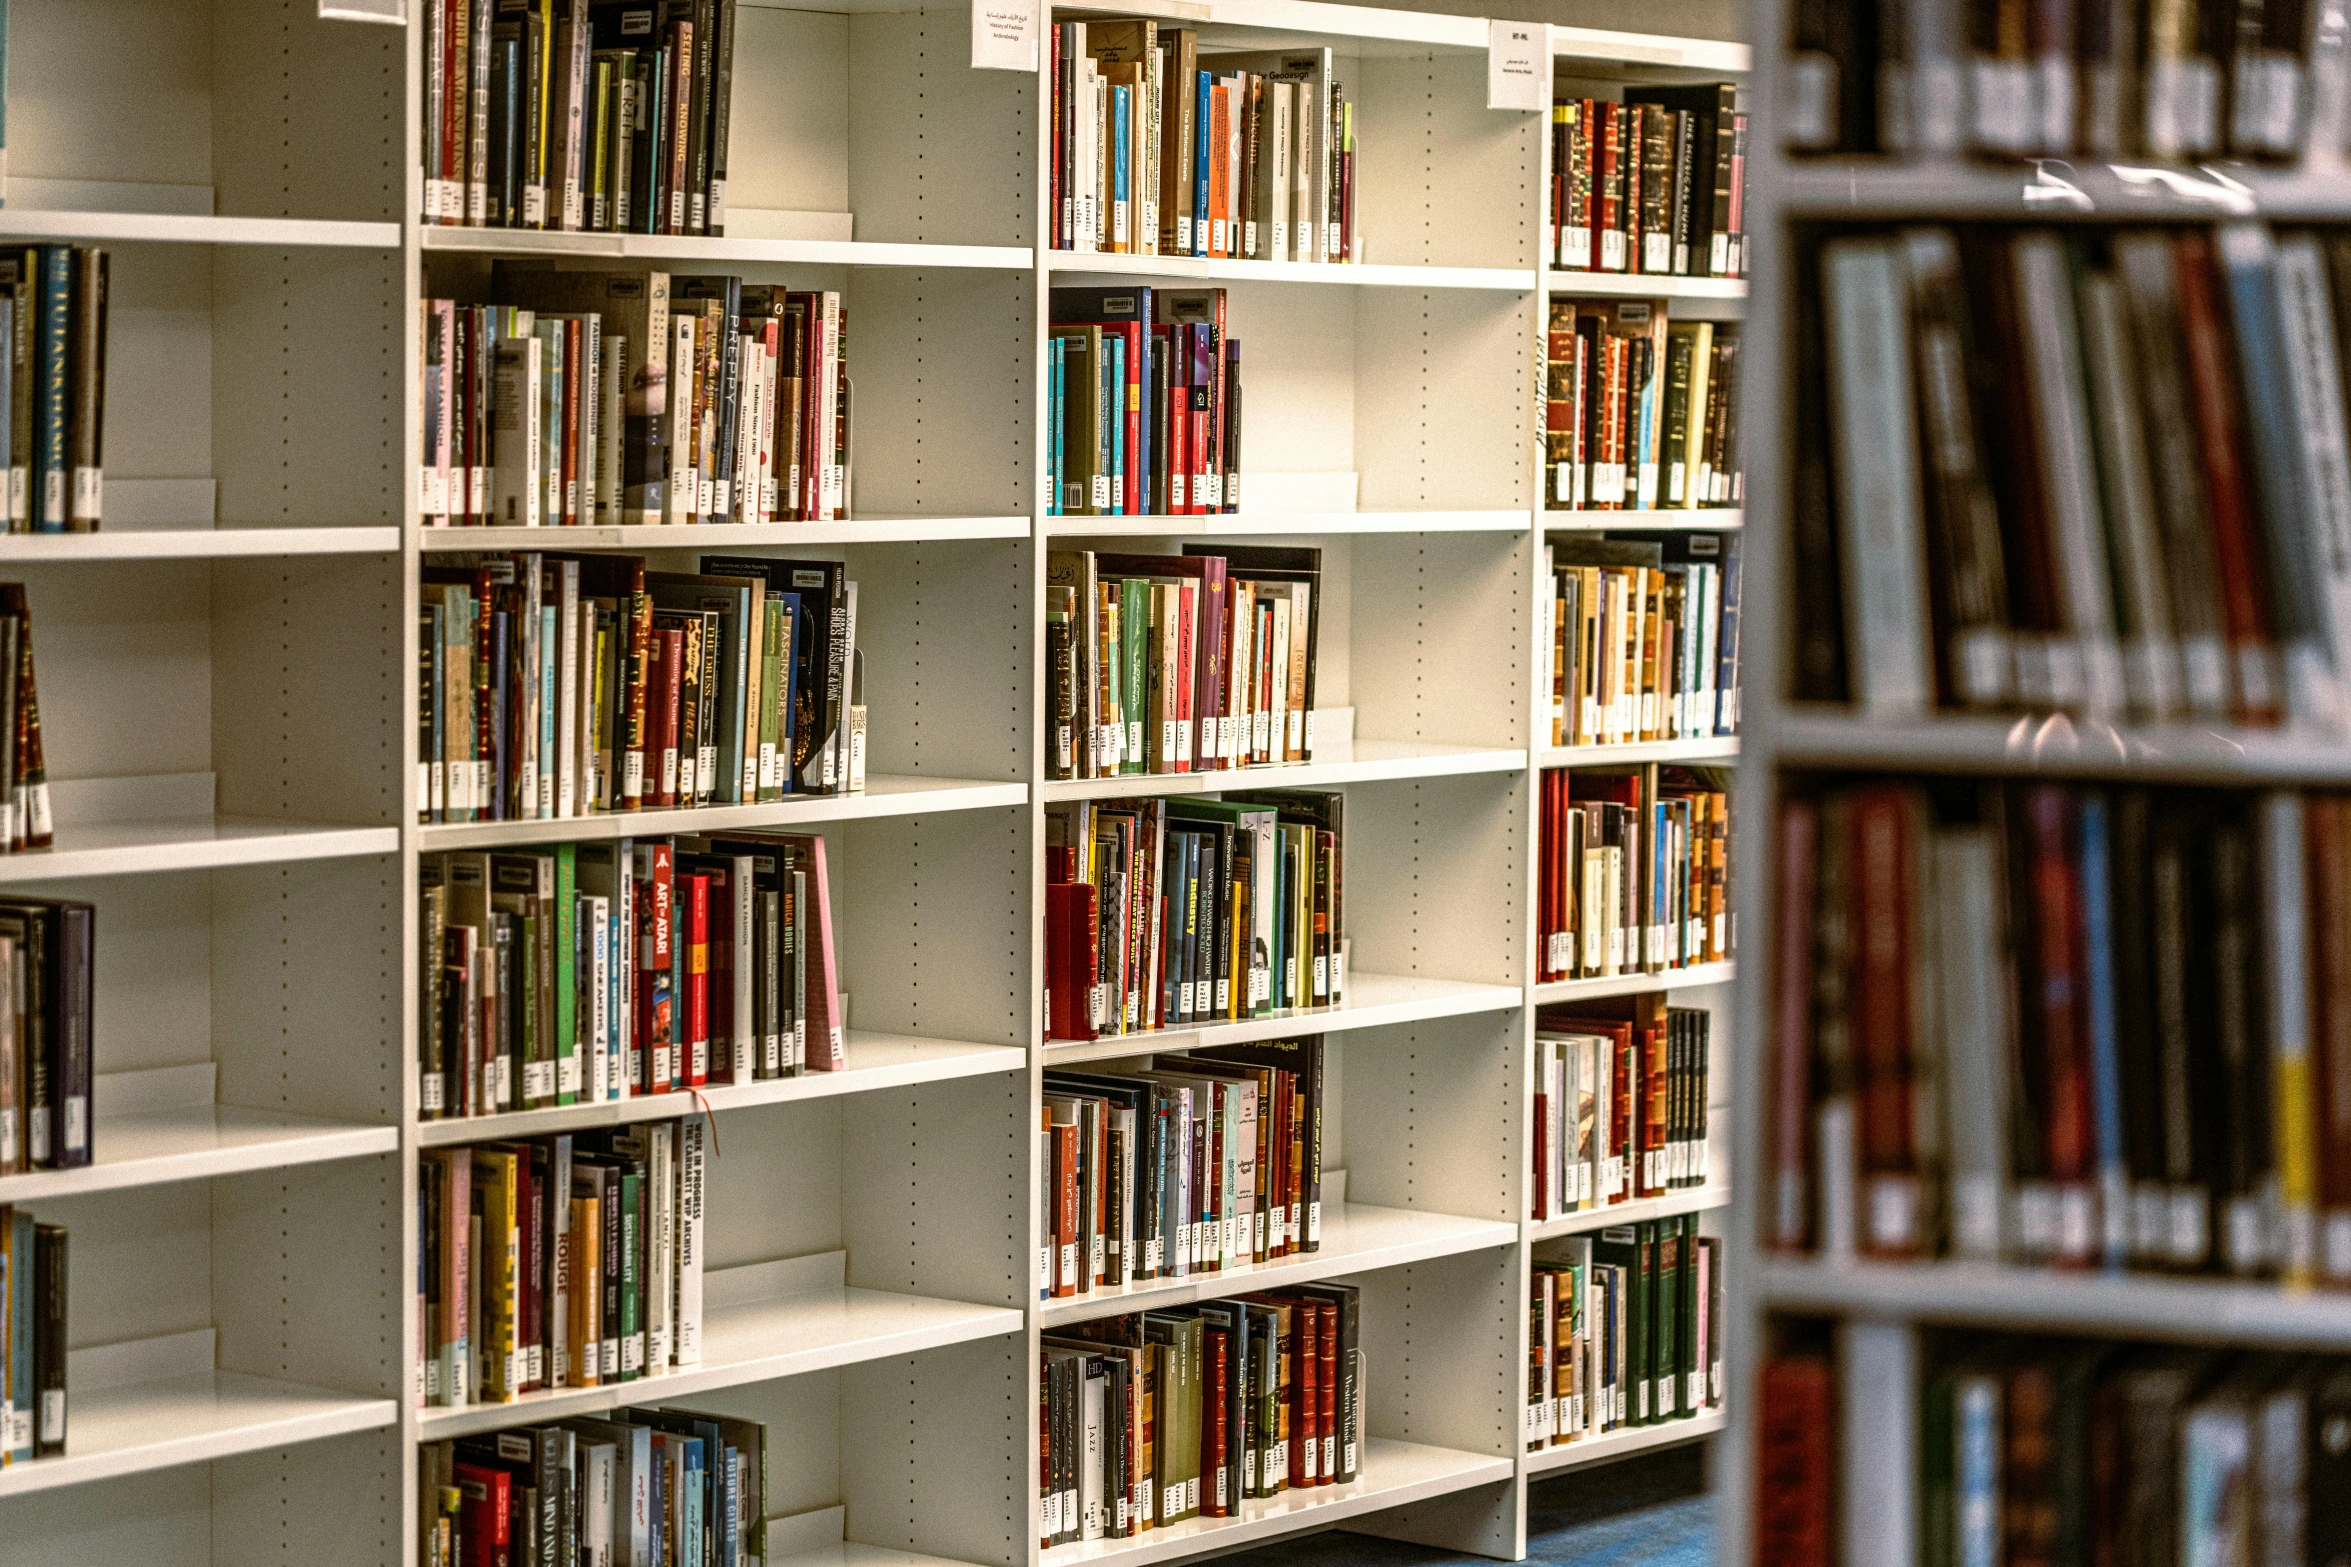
{"type": "Point", "coordinates": [85, 440]}
{"type": "Point", "coordinates": [49, 1339]}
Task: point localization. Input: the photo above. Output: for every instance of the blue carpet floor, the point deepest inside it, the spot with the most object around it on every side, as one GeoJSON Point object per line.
{"type": "Point", "coordinates": [1651, 1511]}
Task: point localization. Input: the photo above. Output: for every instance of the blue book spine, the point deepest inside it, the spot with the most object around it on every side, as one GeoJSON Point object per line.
{"type": "Point", "coordinates": [54, 356]}
{"type": "Point", "coordinates": [1114, 396]}
{"type": "Point", "coordinates": [2105, 1068]}
{"type": "Point", "coordinates": [1121, 145]}
{"type": "Point", "coordinates": [656, 1535]}
{"type": "Point", "coordinates": [547, 663]}
{"type": "Point", "coordinates": [2275, 430]}
{"type": "Point", "coordinates": [1977, 1449]}
{"type": "Point", "coordinates": [1200, 163]}
{"type": "Point", "coordinates": [1726, 643]}
{"type": "Point", "coordinates": [692, 1504]}
{"type": "Point", "coordinates": [732, 1554]}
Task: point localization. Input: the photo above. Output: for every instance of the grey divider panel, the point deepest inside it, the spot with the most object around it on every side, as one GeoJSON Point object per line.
{"type": "Point", "coordinates": [147, 1520]}
{"type": "Point", "coordinates": [1443, 180]}
{"type": "Point", "coordinates": [939, 362]}
{"type": "Point", "coordinates": [935, 1448]}
{"type": "Point", "coordinates": [154, 975]}
{"type": "Point", "coordinates": [1445, 1364]}
{"type": "Point", "coordinates": [1435, 650]}
{"type": "Point", "coordinates": [142, 1264]}
{"type": "Point", "coordinates": [1431, 1116]}
{"type": "Point", "coordinates": [310, 348]}
{"type": "Point", "coordinates": [307, 1282]}
{"type": "Point", "coordinates": [788, 139]}
{"type": "Point", "coordinates": [335, 1501]}
{"type": "Point", "coordinates": [938, 152]}
{"type": "Point", "coordinates": [934, 1190]}
{"type": "Point", "coordinates": [306, 687]}
{"type": "Point", "coordinates": [1298, 374]}
{"type": "Point", "coordinates": [1440, 421]}
{"type": "Point", "coordinates": [1433, 877]}
{"type": "Point", "coordinates": [306, 991]}
{"type": "Point", "coordinates": [774, 1183]}
{"type": "Point", "coordinates": [159, 352]}
{"type": "Point", "coordinates": [930, 912]}
{"type": "Point", "coordinates": [308, 116]}
{"type": "Point", "coordinates": [946, 642]}
{"type": "Point", "coordinates": [124, 658]}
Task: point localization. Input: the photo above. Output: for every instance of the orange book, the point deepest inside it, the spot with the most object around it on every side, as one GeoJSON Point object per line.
{"type": "Point", "coordinates": [1220, 175]}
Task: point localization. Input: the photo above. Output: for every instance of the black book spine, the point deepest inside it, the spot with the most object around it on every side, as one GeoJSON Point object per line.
{"type": "Point", "coordinates": [49, 1339]}
{"type": "Point", "coordinates": [721, 114]}
{"type": "Point", "coordinates": [699, 126]}
{"type": "Point", "coordinates": [74, 958]}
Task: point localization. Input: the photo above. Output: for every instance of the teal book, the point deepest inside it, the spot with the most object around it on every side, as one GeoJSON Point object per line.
{"type": "Point", "coordinates": [53, 407]}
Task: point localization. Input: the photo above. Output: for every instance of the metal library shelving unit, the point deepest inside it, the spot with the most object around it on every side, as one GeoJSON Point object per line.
{"type": "Point", "coordinates": [231, 722]}
{"type": "Point", "coordinates": [1784, 738]}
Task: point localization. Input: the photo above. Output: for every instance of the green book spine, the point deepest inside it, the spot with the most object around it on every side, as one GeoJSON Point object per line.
{"type": "Point", "coordinates": [1937, 1494]}
{"type": "Point", "coordinates": [1134, 630]}
{"type": "Point", "coordinates": [1665, 1339]}
{"type": "Point", "coordinates": [567, 1000]}
{"type": "Point", "coordinates": [1640, 1350]}
{"type": "Point", "coordinates": [54, 405]}
{"type": "Point", "coordinates": [632, 1275]}
{"type": "Point", "coordinates": [1690, 1364]}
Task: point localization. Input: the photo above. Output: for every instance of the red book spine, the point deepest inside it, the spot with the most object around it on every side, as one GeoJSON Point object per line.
{"type": "Point", "coordinates": [697, 975]}
{"type": "Point", "coordinates": [1131, 495]}
{"type": "Point", "coordinates": [2060, 999]}
{"type": "Point", "coordinates": [1655, 1082]}
{"type": "Point", "coordinates": [660, 1011]}
{"type": "Point", "coordinates": [1186, 668]}
{"type": "Point", "coordinates": [1883, 859]}
{"type": "Point", "coordinates": [1304, 1450]}
{"type": "Point", "coordinates": [1216, 1459]}
{"type": "Point", "coordinates": [1791, 1081]}
{"type": "Point", "coordinates": [2212, 382]}
{"type": "Point", "coordinates": [1794, 1458]}
{"type": "Point", "coordinates": [1327, 1393]}
{"type": "Point", "coordinates": [1065, 1211]}
{"type": "Point", "coordinates": [1620, 1139]}
{"type": "Point", "coordinates": [1542, 1156]}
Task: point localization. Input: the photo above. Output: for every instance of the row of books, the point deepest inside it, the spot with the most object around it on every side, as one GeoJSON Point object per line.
{"type": "Point", "coordinates": [610, 398]}
{"type": "Point", "coordinates": [595, 972]}
{"type": "Point", "coordinates": [2181, 81]}
{"type": "Point", "coordinates": [2098, 471]}
{"type": "Point", "coordinates": [558, 686]}
{"type": "Point", "coordinates": [1876, 1443]}
{"type": "Point", "coordinates": [640, 1488]}
{"type": "Point", "coordinates": [1656, 183]}
{"type": "Point", "coordinates": [1620, 1104]}
{"type": "Point", "coordinates": [1644, 637]}
{"type": "Point", "coordinates": [1634, 873]}
{"type": "Point", "coordinates": [48, 986]}
{"type": "Point", "coordinates": [1640, 413]}
{"type": "Point", "coordinates": [1149, 1419]}
{"type": "Point", "coordinates": [1171, 913]}
{"type": "Point", "coordinates": [1208, 1162]}
{"type": "Point", "coordinates": [53, 321]}
{"type": "Point", "coordinates": [1624, 1328]}
{"type": "Point", "coordinates": [568, 1261]}
{"type": "Point", "coordinates": [1198, 662]}
{"type": "Point", "coordinates": [2064, 1024]}
{"type": "Point", "coordinates": [1158, 150]}
{"type": "Point", "coordinates": [605, 115]}
{"type": "Point", "coordinates": [1143, 403]}
{"type": "Point", "coordinates": [33, 1338]}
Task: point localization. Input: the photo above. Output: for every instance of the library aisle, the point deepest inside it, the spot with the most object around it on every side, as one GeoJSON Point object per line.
{"type": "Point", "coordinates": [895, 784]}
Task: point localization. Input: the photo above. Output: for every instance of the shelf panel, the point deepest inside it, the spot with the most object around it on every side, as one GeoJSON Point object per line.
{"type": "Point", "coordinates": [1374, 761]}
{"type": "Point", "coordinates": [1311, 18]}
{"type": "Point", "coordinates": [1682, 519]}
{"type": "Point", "coordinates": [197, 1142]}
{"type": "Point", "coordinates": [1719, 751]}
{"type": "Point", "coordinates": [187, 228]}
{"type": "Point", "coordinates": [1695, 1199]}
{"type": "Point", "coordinates": [1613, 48]}
{"type": "Point", "coordinates": [1372, 1001]}
{"type": "Point", "coordinates": [1219, 524]}
{"type": "Point", "coordinates": [198, 543]}
{"type": "Point", "coordinates": [142, 1426]}
{"type": "Point", "coordinates": [755, 1341]}
{"type": "Point", "coordinates": [2055, 188]}
{"type": "Point", "coordinates": [848, 1553]}
{"type": "Point", "coordinates": [876, 1061]}
{"type": "Point", "coordinates": [193, 843]}
{"type": "Point", "coordinates": [698, 249]}
{"type": "Point", "coordinates": [1689, 978]}
{"type": "Point", "coordinates": [1356, 1238]}
{"type": "Point", "coordinates": [1064, 263]}
{"type": "Point", "coordinates": [1394, 1473]}
{"type": "Point", "coordinates": [2057, 744]}
{"type": "Point", "coordinates": [1593, 1450]}
{"type": "Point", "coordinates": [726, 535]}
{"type": "Point", "coordinates": [2217, 1311]}
{"type": "Point", "coordinates": [1643, 285]}
{"type": "Point", "coordinates": [890, 795]}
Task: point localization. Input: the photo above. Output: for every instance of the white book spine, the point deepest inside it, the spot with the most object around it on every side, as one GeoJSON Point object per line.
{"type": "Point", "coordinates": [692, 1133]}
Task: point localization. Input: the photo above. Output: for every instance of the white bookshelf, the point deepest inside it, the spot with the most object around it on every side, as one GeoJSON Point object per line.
{"type": "Point", "coordinates": [1785, 737]}
{"type": "Point", "coordinates": [229, 705]}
